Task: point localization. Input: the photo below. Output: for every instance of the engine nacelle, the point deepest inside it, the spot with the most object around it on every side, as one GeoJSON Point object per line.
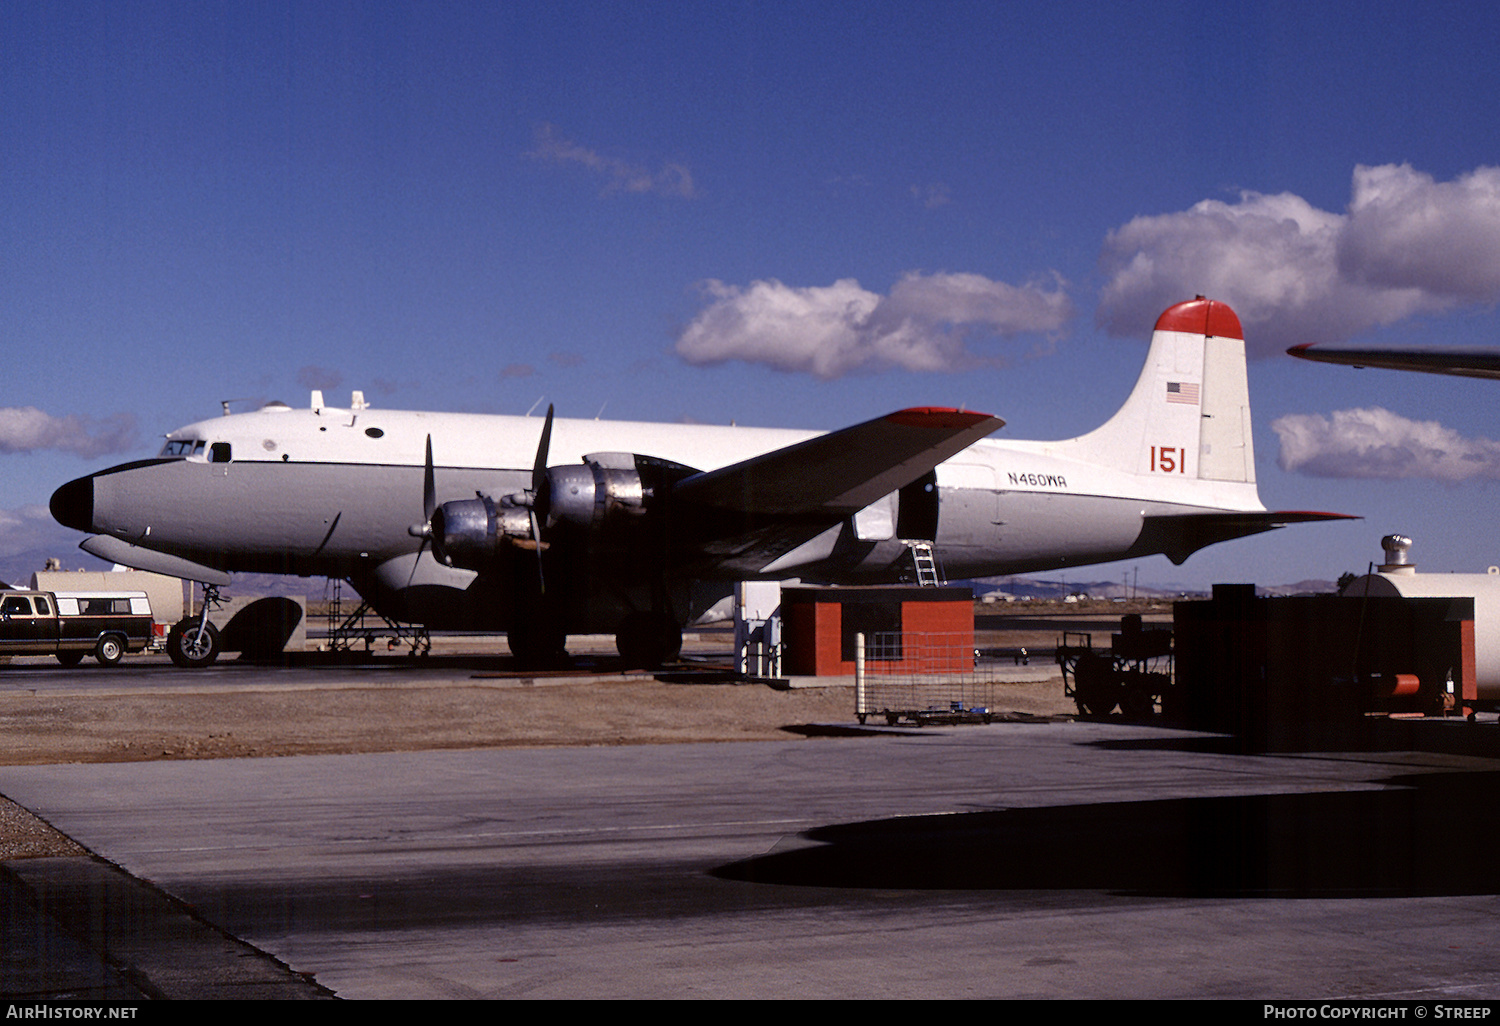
{"type": "Point", "coordinates": [603, 499]}
{"type": "Point", "coordinates": [606, 493]}
{"type": "Point", "coordinates": [473, 533]}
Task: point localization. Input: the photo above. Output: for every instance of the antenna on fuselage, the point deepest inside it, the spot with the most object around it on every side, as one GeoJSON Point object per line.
{"type": "Point", "coordinates": [535, 404]}
{"type": "Point", "coordinates": [224, 404]}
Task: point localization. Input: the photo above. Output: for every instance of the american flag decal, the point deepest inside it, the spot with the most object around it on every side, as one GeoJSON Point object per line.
{"type": "Point", "coordinates": [1182, 392]}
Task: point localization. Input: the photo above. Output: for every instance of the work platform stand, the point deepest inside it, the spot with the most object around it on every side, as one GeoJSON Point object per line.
{"type": "Point", "coordinates": [345, 632]}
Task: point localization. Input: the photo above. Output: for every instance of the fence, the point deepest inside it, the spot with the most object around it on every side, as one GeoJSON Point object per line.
{"type": "Point", "coordinates": [922, 678]}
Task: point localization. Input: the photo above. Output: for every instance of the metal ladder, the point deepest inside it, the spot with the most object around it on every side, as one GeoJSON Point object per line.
{"type": "Point", "coordinates": [925, 564]}
{"type": "Point", "coordinates": [344, 632]}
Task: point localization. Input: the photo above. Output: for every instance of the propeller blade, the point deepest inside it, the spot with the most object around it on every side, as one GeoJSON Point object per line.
{"type": "Point", "coordinates": [541, 496]}
{"type": "Point", "coordinates": [536, 535]}
{"type": "Point", "coordinates": [429, 488]}
{"type": "Point", "coordinates": [429, 507]}
{"type": "Point", "coordinates": [429, 499]}
{"type": "Point", "coordinates": [541, 490]}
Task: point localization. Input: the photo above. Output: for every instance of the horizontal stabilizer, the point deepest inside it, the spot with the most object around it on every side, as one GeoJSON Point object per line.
{"type": "Point", "coordinates": [1179, 535]}
{"type": "Point", "coordinates": [1468, 363]}
{"type": "Point", "coordinates": [838, 474]}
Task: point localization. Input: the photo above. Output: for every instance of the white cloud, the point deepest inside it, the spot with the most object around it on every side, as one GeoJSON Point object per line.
{"type": "Point", "coordinates": [922, 325]}
{"type": "Point", "coordinates": [1294, 273]}
{"type": "Point", "coordinates": [28, 429]}
{"type": "Point", "coordinates": [668, 179]}
{"type": "Point", "coordinates": [1407, 231]}
{"type": "Point", "coordinates": [1376, 443]}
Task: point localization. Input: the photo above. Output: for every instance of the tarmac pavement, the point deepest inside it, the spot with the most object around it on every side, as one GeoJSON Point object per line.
{"type": "Point", "coordinates": [1013, 860]}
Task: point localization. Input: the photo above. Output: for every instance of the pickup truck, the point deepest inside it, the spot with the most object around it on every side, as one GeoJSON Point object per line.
{"type": "Point", "coordinates": [71, 625]}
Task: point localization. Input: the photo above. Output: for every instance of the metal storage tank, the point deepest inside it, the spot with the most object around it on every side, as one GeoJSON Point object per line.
{"type": "Point", "coordinates": [1398, 576]}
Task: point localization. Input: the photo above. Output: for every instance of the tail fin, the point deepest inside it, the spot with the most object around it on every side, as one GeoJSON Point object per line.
{"type": "Point", "coordinates": [1189, 414]}
{"type": "Point", "coordinates": [1188, 419]}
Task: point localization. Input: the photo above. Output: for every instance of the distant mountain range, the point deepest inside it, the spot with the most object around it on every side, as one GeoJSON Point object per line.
{"type": "Point", "coordinates": [1038, 588]}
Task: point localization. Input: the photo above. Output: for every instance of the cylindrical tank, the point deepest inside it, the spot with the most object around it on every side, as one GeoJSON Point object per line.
{"type": "Point", "coordinates": [1398, 577]}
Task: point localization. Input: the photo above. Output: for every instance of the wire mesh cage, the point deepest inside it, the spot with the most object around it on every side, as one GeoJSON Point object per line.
{"type": "Point", "coordinates": [920, 677]}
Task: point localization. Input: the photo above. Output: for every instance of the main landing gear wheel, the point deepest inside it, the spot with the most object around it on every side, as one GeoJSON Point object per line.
{"type": "Point", "coordinates": [647, 641]}
{"type": "Point", "coordinates": [191, 648]}
{"type": "Point", "coordinates": [537, 645]}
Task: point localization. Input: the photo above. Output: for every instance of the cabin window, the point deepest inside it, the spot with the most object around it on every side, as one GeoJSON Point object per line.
{"type": "Point", "coordinates": [16, 605]}
{"type": "Point", "coordinates": [219, 452]}
{"type": "Point", "coordinates": [43, 607]}
{"type": "Point", "coordinates": [183, 447]}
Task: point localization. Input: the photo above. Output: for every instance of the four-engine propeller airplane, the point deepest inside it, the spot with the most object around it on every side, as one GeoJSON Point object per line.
{"type": "Point", "coordinates": [461, 521]}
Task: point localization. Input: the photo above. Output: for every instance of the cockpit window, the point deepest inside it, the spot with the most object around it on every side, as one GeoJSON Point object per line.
{"type": "Point", "coordinates": [183, 447]}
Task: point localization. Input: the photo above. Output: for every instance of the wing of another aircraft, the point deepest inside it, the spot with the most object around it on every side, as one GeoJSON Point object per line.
{"type": "Point", "coordinates": [838, 474]}
{"type": "Point", "coordinates": [1468, 363]}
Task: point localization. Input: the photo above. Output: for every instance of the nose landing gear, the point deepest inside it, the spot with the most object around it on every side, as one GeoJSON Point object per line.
{"type": "Point", "coordinates": [193, 642]}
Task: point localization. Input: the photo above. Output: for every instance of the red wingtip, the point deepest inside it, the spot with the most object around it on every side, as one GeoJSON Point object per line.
{"type": "Point", "coordinates": [1202, 317]}
{"type": "Point", "coordinates": [948, 417]}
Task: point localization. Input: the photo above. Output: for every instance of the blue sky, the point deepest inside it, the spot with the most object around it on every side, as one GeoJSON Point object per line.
{"type": "Point", "coordinates": [788, 214]}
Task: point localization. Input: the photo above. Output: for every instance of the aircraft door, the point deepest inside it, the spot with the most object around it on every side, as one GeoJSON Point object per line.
{"type": "Point", "coordinates": [917, 509]}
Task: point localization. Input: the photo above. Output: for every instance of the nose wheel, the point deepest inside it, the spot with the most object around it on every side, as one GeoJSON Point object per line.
{"type": "Point", "coordinates": [193, 643]}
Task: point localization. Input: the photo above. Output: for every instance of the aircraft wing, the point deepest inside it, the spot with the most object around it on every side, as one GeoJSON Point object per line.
{"type": "Point", "coordinates": [1179, 535]}
{"type": "Point", "coordinates": [838, 474]}
{"type": "Point", "coordinates": [1469, 363]}
{"type": "Point", "coordinates": [740, 518]}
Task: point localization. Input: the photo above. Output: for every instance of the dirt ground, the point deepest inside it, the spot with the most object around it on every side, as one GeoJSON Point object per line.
{"type": "Point", "coordinates": [132, 728]}
{"type": "Point", "coordinates": [474, 710]}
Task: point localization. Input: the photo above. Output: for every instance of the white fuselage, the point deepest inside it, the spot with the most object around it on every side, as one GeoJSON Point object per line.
{"type": "Point", "coordinates": [343, 492]}
{"type": "Point", "coordinates": [329, 490]}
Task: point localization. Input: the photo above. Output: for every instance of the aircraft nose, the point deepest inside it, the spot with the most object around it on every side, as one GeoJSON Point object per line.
{"type": "Point", "coordinates": [73, 504]}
